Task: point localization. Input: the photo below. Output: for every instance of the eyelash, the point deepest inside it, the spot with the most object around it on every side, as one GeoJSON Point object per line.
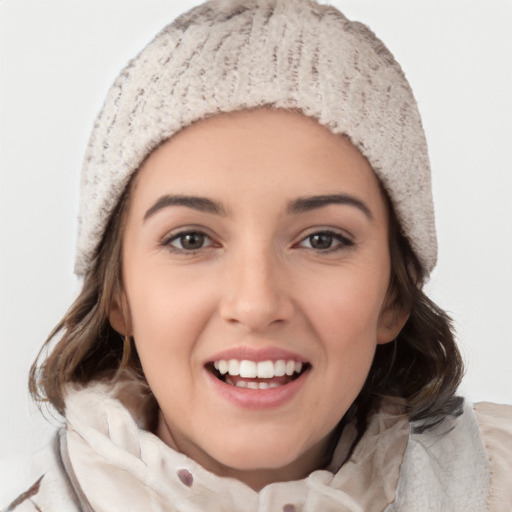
{"type": "Point", "coordinates": [167, 242]}
{"type": "Point", "coordinates": [343, 242]}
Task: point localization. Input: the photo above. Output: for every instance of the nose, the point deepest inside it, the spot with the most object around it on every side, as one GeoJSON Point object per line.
{"type": "Point", "coordinates": [256, 293]}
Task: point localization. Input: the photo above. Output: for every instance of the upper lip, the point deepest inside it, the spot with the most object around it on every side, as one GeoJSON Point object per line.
{"type": "Point", "coordinates": [257, 354]}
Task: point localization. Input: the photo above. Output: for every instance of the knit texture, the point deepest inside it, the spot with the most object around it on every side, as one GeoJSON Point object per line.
{"type": "Point", "coordinates": [224, 56]}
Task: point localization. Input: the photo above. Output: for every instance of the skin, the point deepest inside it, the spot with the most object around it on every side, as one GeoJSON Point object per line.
{"type": "Point", "coordinates": [260, 279]}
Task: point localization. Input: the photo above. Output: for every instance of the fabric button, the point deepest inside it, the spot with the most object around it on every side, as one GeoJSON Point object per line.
{"type": "Point", "coordinates": [289, 508]}
{"type": "Point", "coordinates": [186, 477]}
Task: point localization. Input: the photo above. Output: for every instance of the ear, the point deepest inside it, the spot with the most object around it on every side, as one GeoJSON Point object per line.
{"type": "Point", "coordinates": [118, 315]}
{"type": "Point", "coordinates": [391, 321]}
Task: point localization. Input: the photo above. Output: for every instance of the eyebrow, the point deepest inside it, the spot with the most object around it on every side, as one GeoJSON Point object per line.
{"type": "Point", "coordinates": [306, 204]}
{"type": "Point", "coordinates": [201, 204]}
{"type": "Point", "coordinates": [300, 205]}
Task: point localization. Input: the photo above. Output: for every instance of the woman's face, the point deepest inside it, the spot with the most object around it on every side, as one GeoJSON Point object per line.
{"type": "Point", "coordinates": [255, 268]}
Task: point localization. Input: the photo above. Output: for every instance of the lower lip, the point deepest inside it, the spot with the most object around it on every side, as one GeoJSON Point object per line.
{"type": "Point", "coordinates": [258, 398]}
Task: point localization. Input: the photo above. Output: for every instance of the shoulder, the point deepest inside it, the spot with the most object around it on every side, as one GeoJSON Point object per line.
{"type": "Point", "coordinates": [495, 424]}
{"type": "Point", "coordinates": [445, 467]}
{"type": "Point", "coordinates": [52, 490]}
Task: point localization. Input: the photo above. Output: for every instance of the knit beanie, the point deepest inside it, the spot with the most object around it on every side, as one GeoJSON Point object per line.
{"type": "Point", "coordinates": [229, 55]}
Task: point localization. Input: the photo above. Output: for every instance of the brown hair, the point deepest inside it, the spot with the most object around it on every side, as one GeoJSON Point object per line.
{"type": "Point", "coordinates": [420, 370]}
{"type": "Point", "coordinates": [88, 348]}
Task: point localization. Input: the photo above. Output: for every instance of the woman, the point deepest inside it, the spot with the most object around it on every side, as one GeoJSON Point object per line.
{"type": "Point", "coordinates": [255, 231]}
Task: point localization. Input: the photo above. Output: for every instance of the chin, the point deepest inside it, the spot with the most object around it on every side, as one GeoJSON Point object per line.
{"type": "Point", "coordinates": [261, 452]}
{"type": "Point", "coordinates": [263, 458]}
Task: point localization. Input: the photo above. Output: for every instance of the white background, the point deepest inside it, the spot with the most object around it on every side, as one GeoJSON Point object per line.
{"type": "Point", "coordinates": [58, 58]}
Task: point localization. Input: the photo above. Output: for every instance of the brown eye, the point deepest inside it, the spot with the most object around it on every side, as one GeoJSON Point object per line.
{"type": "Point", "coordinates": [189, 241]}
{"type": "Point", "coordinates": [326, 241]}
{"type": "Point", "coordinates": [321, 241]}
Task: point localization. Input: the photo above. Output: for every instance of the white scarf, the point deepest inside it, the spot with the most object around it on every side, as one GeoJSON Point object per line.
{"type": "Point", "coordinates": [110, 463]}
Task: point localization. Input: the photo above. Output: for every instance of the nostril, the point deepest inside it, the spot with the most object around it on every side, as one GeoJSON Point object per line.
{"type": "Point", "coordinates": [254, 316]}
{"type": "Point", "coordinates": [256, 296]}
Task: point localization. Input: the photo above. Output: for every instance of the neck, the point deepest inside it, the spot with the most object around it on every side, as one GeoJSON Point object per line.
{"type": "Point", "coordinates": [316, 457]}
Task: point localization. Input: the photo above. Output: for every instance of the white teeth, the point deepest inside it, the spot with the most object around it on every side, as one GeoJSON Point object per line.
{"type": "Point", "coordinates": [280, 368]}
{"type": "Point", "coordinates": [248, 369]}
{"type": "Point", "coordinates": [290, 368]}
{"type": "Point", "coordinates": [262, 370]}
{"type": "Point", "coordinates": [253, 385]}
{"type": "Point", "coordinates": [234, 367]}
{"type": "Point", "coordinates": [223, 367]}
{"type": "Point", "coordinates": [265, 370]}
{"type": "Point", "coordinates": [260, 385]}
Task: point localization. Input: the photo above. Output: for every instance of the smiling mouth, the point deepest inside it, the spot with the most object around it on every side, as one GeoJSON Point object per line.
{"type": "Point", "coordinates": [259, 375]}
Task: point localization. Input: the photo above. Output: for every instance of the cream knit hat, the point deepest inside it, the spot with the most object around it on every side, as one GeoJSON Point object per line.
{"type": "Point", "coordinates": [228, 55]}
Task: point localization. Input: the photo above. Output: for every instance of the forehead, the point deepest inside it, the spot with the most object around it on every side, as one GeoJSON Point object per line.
{"type": "Point", "coordinates": [257, 157]}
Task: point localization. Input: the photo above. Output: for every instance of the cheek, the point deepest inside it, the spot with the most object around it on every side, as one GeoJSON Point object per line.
{"type": "Point", "coordinates": [168, 312]}
{"type": "Point", "coordinates": [344, 315]}
{"type": "Point", "coordinates": [346, 305]}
